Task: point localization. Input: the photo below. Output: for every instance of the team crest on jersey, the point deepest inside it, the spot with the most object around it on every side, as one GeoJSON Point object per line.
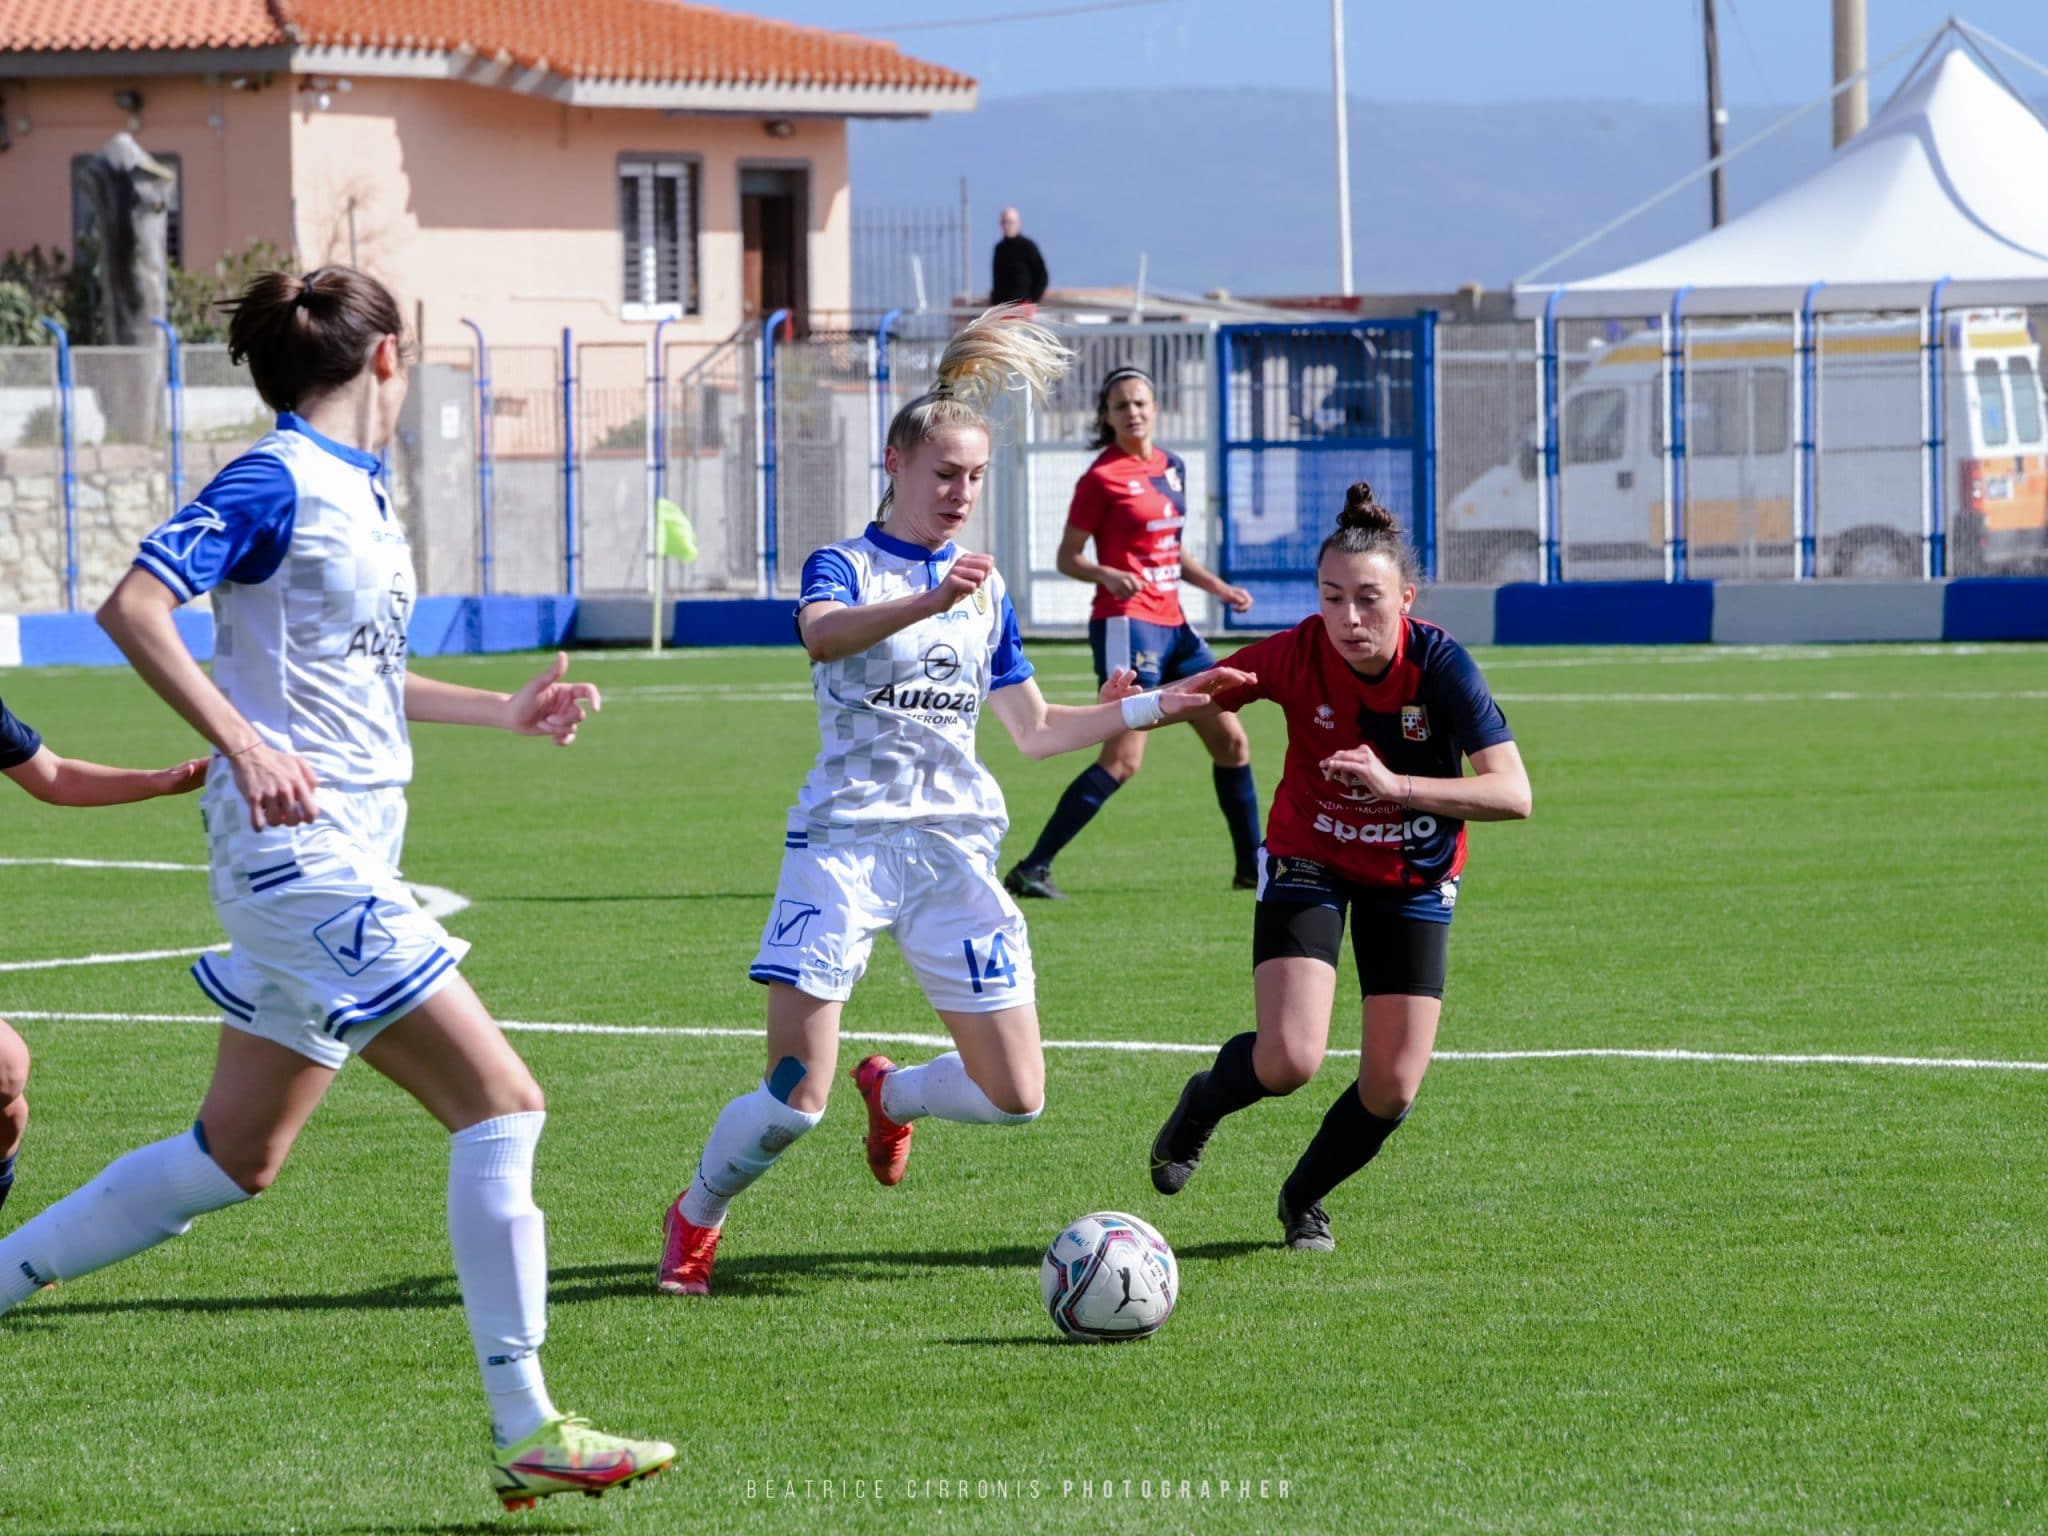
{"type": "Point", "coordinates": [1414, 723]}
{"type": "Point", "coordinates": [1135, 487]}
{"type": "Point", "coordinates": [1326, 717]}
{"type": "Point", "coordinates": [1173, 478]}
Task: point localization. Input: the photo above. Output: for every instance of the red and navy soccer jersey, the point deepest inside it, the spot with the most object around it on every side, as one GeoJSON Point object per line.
{"type": "Point", "coordinates": [1134, 510]}
{"type": "Point", "coordinates": [17, 742]}
{"type": "Point", "coordinates": [1423, 715]}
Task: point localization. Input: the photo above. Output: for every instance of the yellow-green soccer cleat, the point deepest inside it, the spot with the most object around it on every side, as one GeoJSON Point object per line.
{"type": "Point", "coordinates": [566, 1455]}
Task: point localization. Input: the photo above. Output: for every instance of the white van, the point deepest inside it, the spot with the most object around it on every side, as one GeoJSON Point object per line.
{"type": "Point", "coordinates": [1741, 456]}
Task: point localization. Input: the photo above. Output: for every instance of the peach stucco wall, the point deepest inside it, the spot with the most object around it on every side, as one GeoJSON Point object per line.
{"type": "Point", "coordinates": [504, 209]}
{"type": "Point", "coordinates": [469, 201]}
{"type": "Point", "coordinates": [235, 149]}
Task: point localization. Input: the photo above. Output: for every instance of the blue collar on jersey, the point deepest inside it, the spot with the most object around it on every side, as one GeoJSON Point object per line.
{"type": "Point", "coordinates": [904, 549]}
{"type": "Point", "coordinates": [292, 421]}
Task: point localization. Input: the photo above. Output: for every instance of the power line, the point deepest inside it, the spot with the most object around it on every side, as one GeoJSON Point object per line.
{"type": "Point", "coordinates": [1749, 47]}
{"type": "Point", "coordinates": [1006, 16]}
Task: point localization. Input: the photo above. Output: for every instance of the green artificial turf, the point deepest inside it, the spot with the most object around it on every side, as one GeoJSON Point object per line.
{"type": "Point", "coordinates": [1584, 1294]}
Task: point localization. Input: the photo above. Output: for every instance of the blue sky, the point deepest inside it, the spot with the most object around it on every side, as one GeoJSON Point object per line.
{"type": "Point", "coordinates": [1772, 51]}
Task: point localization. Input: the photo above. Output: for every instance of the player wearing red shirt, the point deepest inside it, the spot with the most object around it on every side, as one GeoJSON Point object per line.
{"type": "Point", "coordinates": [1132, 503]}
{"type": "Point", "coordinates": [1370, 816]}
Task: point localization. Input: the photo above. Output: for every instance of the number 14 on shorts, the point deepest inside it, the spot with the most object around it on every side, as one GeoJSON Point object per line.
{"type": "Point", "coordinates": [989, 963]}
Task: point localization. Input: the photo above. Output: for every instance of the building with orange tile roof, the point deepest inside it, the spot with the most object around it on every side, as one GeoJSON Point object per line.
{"type": "Point", "coordinates": [527, 164]}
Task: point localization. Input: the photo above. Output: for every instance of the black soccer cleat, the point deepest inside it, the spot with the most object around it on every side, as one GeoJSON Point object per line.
{"type": "Point", "coordinates": [1033, 880]}
{"type": "Point", "coordinates": [1245, 880]}
{"type": "Point", "coordinates": [1308, 1229]}
{"type": "Point", "coordinates": [1177, 1149]}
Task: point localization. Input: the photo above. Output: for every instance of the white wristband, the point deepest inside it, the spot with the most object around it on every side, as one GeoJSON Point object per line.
{"type": "Point", "coordinates": [1141, 710]}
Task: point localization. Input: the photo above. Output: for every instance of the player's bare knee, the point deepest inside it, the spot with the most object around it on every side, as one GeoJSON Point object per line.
{"type": "Point", "coordinates": [13, 1074]}
{"type": "Point", "coordinates": [1123, 764]}
{"type": "Point", "coordinates": [255, 1169]}
{"type": "Point", "coordinates": [1232, 751]}
{"type": "Point", "coordinates": [1387, 1097]}
{"type": "Point", "coordinates": [1018, 1106]}
{"type": "Point", "coordinates": [1282, 1068]}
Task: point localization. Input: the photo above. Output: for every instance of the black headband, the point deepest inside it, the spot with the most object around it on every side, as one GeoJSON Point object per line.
{"type": "Point", "coordinates": [1125, 373]}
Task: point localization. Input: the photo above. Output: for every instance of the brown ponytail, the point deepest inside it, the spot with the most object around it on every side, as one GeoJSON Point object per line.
{"type": "Point", "coordinates": [304, 336]}
{"type": "Point", "coordinates": [1365, 527]}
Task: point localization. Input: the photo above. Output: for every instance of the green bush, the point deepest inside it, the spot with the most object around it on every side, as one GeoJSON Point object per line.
{"type": "Point", "coordinates": [36, 282]}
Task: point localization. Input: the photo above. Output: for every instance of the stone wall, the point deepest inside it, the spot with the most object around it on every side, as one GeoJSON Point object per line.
{"type": "Point", "coordinates": [123, 491]}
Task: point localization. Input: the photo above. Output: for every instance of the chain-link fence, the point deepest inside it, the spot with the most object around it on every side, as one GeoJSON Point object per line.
{"type": "Point", "coordinates": [1489, 463]}
{"type": "Point", "coordinates": [1869, 445]}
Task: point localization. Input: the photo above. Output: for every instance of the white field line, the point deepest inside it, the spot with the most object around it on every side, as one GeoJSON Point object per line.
{"type": "Point", "coordinates": [684, 693]}
{"type": "Point", "coordinates": [438, 901]}
{"type": "Point", "coordinates": [127, 959]}
{"type": "Point", "coordinates": [1163, 1047]}
{"type": "Point", "coordinates": [199, 869]}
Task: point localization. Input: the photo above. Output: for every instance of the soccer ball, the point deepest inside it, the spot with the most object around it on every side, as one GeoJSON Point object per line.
{"type": "Point", "coordinates": [1109, 1276]}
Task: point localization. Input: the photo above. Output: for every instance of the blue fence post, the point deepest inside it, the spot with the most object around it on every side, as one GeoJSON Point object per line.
{"type": "Point", "coordinates": [1553, 509]}
{"type": "Point", "coordinates": [485, 553]}
{"type": "Point", "coordinates": [1937, 441]}
{"type": "Point", "coordinates": [769, 540]}
{"type": "Point", "coordinates": [1674, 515]}
{"type": "Point", "coordinates": [1220, 480]}
{"type": "Point", "coordinates": [69, 480]}
{"type": "Point", "coordinates": [882, 412]}
{"type": "Point", "coordinates": [568, 462]}
{"type": "Point", "coordinates": [1425, 442]}
{"type": "Point", "coordinates": [1806, 544]}
{"type": "Point", "coordinates": [174, 389]}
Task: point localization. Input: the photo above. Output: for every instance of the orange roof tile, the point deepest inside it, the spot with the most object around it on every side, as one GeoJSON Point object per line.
{"type": "Point", "coordinates": [37, 26]}
{"type": "Point", "coordinates": [635, 40]}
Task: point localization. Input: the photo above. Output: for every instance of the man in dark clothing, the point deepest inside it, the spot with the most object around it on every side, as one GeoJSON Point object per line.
{"type": "Point", "coordinates": [1019, 269]}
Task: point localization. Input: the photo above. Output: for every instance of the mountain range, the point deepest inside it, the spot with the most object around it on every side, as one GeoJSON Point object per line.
{"type": "Point", "coordinates": [1234, 189]}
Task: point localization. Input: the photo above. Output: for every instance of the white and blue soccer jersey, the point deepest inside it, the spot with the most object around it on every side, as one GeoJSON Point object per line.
{"type": "Point", "coordinates": [312, 583]}
{"type": "Point", "coordinates": [896, 722]}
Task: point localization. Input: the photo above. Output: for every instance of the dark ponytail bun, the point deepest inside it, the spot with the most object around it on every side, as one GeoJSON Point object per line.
{"type": "Point", "coordinates": [1365, 527]}
{"type": "Point", "coordinates": [304, 336]}
{"type": "Point", "coordinates": [1363, 511]}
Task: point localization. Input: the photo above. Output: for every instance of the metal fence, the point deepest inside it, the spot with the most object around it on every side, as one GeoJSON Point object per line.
{"type": "Point", "coordinates": [1773, 447]}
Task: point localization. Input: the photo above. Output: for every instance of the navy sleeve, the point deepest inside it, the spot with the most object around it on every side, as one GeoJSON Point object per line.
{"type": "Point", "coordinates": [1476, 720]}
{"type": "Point", "coordinates": [17, 742]}
{"type": "Point", "coordinates": [1007, 663]}
{"type": "Point", "coordinates": [237, 529]}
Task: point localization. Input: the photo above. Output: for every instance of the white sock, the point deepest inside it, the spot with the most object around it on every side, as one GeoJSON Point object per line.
{"type": "Point", "coordinates": [138, 1201]}
{"type": "Point", "coordinates": [501, 1264]}
{"type": "Point", "coordinates": [942, 1088]}
{"type": "Point", "coordinates": [752, 1131]}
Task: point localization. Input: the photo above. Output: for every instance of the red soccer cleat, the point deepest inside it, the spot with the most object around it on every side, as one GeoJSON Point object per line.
{"type": "Point", "coordinates": [888, 1143]}
{"type": "Point", "coordinates": [686, 1254]}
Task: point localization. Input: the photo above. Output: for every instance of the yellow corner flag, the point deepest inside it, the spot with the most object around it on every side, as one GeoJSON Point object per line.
{"type": "Point", "coordinates": [677, 540]}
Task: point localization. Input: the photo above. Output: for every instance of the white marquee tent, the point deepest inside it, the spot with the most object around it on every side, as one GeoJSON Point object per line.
{"type": "Point", "coordinates": [1949, 181]}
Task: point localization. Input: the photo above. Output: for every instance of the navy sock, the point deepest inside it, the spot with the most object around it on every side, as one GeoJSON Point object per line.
{"type": "Point", "coordinates": [1239, 798]}
{"type": "Point", "coordinates": [1083, 798]}
{"type": "Point", "coordinates": [6, 1176]}
{"type": "Point", "coordinates": [1350, 1137]}
{"type": "Point", "coordinates": [1230, 1084]}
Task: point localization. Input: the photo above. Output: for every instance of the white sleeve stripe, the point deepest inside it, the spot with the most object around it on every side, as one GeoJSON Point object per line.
{"type": "Point", "coordinates": [166, 574]}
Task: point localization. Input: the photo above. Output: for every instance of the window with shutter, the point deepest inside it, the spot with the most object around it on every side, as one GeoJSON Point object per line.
{"type": "Point", "coordinates": [658, 231]}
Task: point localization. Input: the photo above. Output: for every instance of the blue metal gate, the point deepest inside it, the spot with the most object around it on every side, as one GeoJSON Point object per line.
{"type": "Point", "coordinates": [1304, 411]}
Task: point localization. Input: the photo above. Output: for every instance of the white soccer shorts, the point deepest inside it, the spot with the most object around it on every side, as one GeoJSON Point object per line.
{"type": "Point", "coordinates": [328, 945]}
{"type": "Point", "coordinates": [939, 896]}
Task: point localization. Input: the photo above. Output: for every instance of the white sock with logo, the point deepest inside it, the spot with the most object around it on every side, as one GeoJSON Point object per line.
{"type": "Point", "coordinates": [752, 1131]}
{"type": "Point", "coordinates": [138, 1201]}
{"type": "Point", "coordinates": [942, 1089]}
{"type": "Point", "coordinates": [501, 1265]}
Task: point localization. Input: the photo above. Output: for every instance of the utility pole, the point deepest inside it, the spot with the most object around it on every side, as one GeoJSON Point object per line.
{"type": "Point", "coordinates": [1343, 149]}
{"type": "Point", "coordinates": [1716, 117]}
{"type": "Point", "coordinates": [1852, 107]}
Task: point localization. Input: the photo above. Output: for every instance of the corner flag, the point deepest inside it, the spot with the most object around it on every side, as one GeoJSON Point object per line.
{"type": "Point", "coordinates": [676, 539]}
